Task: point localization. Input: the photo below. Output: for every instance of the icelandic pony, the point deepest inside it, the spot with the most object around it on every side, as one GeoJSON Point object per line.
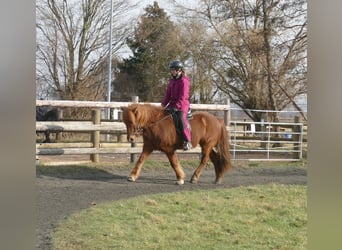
{"type": "Point", "coordinates": [159, 133]}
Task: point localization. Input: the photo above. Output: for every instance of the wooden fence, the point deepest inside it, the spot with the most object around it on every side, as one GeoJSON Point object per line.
{"type": "Point", "coordinates": [96, 126]}
{"type": "Point", "coordinates": [238, 134]}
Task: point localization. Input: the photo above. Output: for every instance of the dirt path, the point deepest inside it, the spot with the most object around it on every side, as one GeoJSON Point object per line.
{"type": "Point", "coordinates": [59, 195]}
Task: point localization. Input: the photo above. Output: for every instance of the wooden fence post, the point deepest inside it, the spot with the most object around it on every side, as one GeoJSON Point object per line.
{"type": "Point", "coordinates": [135, 99]}
{"type": "Point", "coordinates": [296, 138]}
{"type": "Point", "coordinates": [227, 113]}
{"type": "Point", "coordinates": [95, 135]}
{"type": "Point", "coordinates": [263, 136]}
{"type": "Point", "coordinates": [59, 117]}
{"type": "Point", "coordinates": [119, 136]}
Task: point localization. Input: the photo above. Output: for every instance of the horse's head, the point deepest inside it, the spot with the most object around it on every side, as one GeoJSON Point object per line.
{"type": "Point", "coordinates": [131, 117]}
{"type": "Point", "coordinates": [138, 117]}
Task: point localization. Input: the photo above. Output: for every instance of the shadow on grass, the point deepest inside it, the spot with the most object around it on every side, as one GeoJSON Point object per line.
{"type": "Point", "coordinates": [92, 173]}
{"type": "Point", "coordinates": [77, 172]}
{"type": "Point", "coordinates": [153, 172]}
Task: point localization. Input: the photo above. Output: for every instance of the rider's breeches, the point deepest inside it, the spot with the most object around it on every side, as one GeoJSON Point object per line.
{"type": "Point", "coordinates": [185, 126]}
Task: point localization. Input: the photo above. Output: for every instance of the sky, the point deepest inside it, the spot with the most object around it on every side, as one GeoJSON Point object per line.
{"type": "Point", "coordinates": [166, 4]}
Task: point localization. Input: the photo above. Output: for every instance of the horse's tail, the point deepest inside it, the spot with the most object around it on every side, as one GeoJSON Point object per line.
{"type": "Point", "coordinates": [223, 153]}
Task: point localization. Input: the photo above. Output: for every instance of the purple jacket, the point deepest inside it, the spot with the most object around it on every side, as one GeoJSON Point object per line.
{"type": "Point", "coordinates": [177, 94]}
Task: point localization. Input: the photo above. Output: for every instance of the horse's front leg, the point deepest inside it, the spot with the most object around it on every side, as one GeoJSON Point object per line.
{"type": "Point", "coordinates": [173, 159]}
{"type": "Point", "coordinates": [136, 170]}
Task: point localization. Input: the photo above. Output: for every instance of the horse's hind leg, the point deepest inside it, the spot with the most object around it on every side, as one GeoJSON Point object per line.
{"type": "Point", "coordinates": [136, 170]}
{"type": "Point", "coordinates": [173, 159]}
{"type": "Point", "coordinates": [214, 157]}
{"type": "Point", "coordinates": [204, 159]}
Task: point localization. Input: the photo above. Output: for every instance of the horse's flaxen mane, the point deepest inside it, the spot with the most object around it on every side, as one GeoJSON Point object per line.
{"type": "Point", "coordinates": [145, 114]}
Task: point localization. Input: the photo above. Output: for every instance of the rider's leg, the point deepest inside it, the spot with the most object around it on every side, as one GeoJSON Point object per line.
{"type": "Point", "coordinates": [186, 131]}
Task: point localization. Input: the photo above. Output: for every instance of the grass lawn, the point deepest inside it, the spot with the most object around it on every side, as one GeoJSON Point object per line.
{"type": "Point", "coordinates": [270, 216]}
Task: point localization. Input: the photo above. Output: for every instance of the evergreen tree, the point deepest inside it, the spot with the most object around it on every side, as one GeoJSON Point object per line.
{"type": "Point", "coordinates": [154, 44]}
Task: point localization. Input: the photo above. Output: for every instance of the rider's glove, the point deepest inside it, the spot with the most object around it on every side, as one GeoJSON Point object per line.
{"type": "Point", "coordinates": [171, 110]}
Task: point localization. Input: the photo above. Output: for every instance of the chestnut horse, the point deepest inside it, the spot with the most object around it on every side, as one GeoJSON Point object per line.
{"type": "Point", "coordinates": [159, 133]}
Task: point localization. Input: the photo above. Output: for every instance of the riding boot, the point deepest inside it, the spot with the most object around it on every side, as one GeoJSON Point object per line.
{"type": "Point", "coordinates": [187, 145]}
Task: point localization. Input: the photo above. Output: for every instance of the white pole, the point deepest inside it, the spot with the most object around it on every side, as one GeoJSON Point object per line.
{"type": "Point", "coordinates": [110, 62]}
{"type": "Point", "coordinates": [110, 56]}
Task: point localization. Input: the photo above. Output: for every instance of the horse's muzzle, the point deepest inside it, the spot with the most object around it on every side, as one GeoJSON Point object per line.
{"type": "Point", "coordinates": [130, 138]}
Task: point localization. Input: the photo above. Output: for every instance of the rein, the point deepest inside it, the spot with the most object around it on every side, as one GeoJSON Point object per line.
{"type": "Point", "coordinates": [139, 130]}
{"type": "Point", "coordinates": [165, 117]}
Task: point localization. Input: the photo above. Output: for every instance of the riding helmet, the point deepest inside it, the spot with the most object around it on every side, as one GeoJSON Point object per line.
{"type": "Point", "coordinates": [176, 65]}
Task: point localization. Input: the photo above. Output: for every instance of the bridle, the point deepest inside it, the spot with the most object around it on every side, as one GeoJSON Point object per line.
{"type": "Point", "coordinates": [139, 130]}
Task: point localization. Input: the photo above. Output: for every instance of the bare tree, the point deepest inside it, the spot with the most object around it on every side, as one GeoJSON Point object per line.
{"type": "Point", "coordinates": [196, 40]}
{"type": "Point", "coordinates": [256, 52]}
{"type": "Point", "coordinates": [72, 45]}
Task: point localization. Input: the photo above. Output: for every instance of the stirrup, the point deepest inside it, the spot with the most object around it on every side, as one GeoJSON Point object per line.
{"type": "Point", "coordinates": [186, 146]}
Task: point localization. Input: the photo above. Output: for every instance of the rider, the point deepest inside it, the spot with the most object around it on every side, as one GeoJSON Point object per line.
{"type": "Point", "coordinates": [177, 99]}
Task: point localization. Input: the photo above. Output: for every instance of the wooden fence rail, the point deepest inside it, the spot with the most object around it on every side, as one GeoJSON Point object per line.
{"type": "Point", "coordinates": [96, 126]}
{"type": "Point", "coordinates": [90, 104]}
{"type": "Point", "coordinates": [95, 147]}
{"type": "Point", "coordinates": [80, 126]}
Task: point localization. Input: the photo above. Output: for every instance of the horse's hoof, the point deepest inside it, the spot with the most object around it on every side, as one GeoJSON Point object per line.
{"type": "Point", "coordinates": [180, 182]}
{"type": "Point", "coordinates": [131, 179]}
{"type": "Point", "coordinates": [193, 180]}
{"type": "Point", "coordinates": [218, 182]}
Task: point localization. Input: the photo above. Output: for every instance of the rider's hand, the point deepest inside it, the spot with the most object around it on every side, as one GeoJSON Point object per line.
{"type": "Point", "coordinates": [171, 110]}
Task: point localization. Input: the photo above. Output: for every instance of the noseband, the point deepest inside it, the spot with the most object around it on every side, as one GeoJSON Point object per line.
{"type": "Point", "coordinates": [139, 130]}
